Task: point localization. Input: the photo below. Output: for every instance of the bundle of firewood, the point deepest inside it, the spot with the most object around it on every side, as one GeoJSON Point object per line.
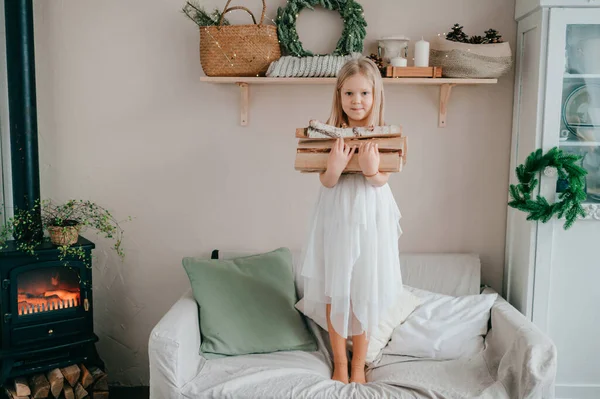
{"type": "Point", "coordinates": [315, 142]}
{"type": "Point", "coordinates": [72, 382]}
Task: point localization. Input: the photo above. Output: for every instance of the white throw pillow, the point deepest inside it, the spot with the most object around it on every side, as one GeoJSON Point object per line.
{"type": "Point", "coordinates": [443, 327]}
{"type": "Point", "coordinates": [407, 302]}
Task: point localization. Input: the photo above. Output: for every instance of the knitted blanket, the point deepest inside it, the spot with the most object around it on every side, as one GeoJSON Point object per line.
{"type": "Point", "coordinates": [320, 66]}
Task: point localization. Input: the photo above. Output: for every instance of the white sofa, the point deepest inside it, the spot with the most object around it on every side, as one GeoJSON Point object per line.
{"type": "Point", "coordinates": [518, 361]}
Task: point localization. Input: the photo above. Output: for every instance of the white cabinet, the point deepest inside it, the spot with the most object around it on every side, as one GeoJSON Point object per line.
{"type": "Point", "coordinates": [524, 7]}
{"type": "Point", "coordinates": [552, 275]}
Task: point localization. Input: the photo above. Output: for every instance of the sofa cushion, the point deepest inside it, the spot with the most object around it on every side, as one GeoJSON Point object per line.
{"type": "Point", "coordinates": [444, 273]}
{"type": "Point", "coordinates": [443, 327]}
{"type": "Point", "coordinates": [246, 304]}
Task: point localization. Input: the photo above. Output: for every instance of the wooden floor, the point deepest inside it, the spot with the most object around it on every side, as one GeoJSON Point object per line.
{"type": "Point", "coordinates": [115, 393]}
{"type": "Point", "coordinates": [129, 393]}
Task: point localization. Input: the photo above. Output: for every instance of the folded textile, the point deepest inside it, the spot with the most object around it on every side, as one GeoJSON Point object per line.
{"type": "Point", "coordinates": [319, 66]}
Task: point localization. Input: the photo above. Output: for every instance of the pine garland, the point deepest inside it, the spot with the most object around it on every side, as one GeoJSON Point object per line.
{"type": "Point", "coordinates": [352, 36]}
{"type": "Point", "coordinates": [569, 204]}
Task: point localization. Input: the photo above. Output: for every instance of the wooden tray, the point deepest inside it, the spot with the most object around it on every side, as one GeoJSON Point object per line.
{"type": "Point", "coordinates": [413, 72]}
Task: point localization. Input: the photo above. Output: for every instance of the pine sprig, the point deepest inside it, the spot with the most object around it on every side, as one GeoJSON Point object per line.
{"type": "Point", "coordinates": [569, 204]}
{"type": "Point", "coordinates": [458, 35]}
{"type": "Point", "coordinates": [196, 13]}
{"type": "Point", "coordinates": [350, 11]}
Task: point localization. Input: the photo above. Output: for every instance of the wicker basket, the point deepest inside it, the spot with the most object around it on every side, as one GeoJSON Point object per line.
{"type": "Point", "coordinates": [464, 60]}
{"type": "Point", "coordinates": [238, 50]}
{"type": "Point", "coordinates": [67, 235]}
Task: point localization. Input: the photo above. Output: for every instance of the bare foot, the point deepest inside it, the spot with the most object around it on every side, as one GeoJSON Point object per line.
{"type": "Point", "coordinates": [340, 372]}
{"type": "Point", "coordinates": [358, 374]}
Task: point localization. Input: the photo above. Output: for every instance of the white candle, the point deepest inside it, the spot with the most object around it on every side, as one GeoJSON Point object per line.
{"type": "Point", "coordinates": [422, 53]}
{"type": "Point", "coordinates": [399, 62]}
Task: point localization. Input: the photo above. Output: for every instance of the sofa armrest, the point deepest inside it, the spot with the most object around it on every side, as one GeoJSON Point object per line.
{"type": "Point", "coordinates": [522, 356]}
{"type": "Point", "coordinates": [174, 349]}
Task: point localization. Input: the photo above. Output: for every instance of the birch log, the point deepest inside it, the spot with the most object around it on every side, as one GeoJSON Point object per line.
{"type": "Point", "coordinates": [322, 130]}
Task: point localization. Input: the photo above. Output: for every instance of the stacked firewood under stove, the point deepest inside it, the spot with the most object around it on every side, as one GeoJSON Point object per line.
{"type": "Point", "coordinates": [72, 382]}
{"type": "Point", "coordinates": [315, 143]}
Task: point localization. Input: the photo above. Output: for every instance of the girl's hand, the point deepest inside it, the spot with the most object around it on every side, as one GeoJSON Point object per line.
{"type": "Point", "coordinates": [340, 155]}
{"type": "Point", "coordinates": [368, 158]}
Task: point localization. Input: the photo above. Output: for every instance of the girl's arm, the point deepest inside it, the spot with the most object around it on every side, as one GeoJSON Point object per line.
{"type": "Point", "coordinates": [379, 179]}
{"type": "Point", "coordinates": [368, 159]}
{"type": "Point", "coordinates": [338, 159]}
{"type": "Point", "coordinates": [329, 179]}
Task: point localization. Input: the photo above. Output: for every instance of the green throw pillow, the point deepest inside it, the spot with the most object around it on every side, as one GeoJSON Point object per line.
{"type": "Point", "coordinates": [247, 305]}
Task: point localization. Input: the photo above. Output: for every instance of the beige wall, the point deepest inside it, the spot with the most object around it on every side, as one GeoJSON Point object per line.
{"type": "Point", "coordinates": [125, 121]}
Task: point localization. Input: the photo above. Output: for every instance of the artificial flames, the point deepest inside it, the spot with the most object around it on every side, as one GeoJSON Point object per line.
{"type": "Point", "coordinates": [48, 290]}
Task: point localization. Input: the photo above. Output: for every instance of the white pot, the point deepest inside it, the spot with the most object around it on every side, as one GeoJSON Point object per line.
{"type": "Point", "coordinates": [465, 60]}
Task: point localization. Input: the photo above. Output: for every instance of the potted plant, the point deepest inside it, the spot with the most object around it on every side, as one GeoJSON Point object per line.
{"type": "Point", "coordinates": [476, 57]}
{"type": "Point", "coordinates": [63, 222]}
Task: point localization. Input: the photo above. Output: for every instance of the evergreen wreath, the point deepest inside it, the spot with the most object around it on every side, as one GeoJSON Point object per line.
{"type": "Point", "coordinates": [352, 36]}
{"type": "Point", "coordinates": [569, 204]}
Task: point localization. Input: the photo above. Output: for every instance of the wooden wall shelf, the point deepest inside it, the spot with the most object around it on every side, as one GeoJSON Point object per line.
{"type": "Point", "coordinates": [446, 85]}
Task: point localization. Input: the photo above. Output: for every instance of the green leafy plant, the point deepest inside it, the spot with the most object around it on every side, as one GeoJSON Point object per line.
{"type": "Point", "coordinates": [63, 221]}
{"type": "Point", "coordinates": [196, 13]}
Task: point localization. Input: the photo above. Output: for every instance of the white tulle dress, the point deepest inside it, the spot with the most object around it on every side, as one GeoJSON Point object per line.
{"type": "Point", "coordinates": [350, 258]}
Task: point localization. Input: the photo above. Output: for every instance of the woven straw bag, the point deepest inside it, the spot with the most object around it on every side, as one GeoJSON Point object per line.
{"type": "Point", "coordinates": [465, 60]}
{"type": "Point", "coordinates": [238, 50]}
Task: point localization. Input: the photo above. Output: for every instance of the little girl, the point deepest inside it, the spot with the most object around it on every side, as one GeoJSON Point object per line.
{"type": "Point", "coordinates": [350, 264]}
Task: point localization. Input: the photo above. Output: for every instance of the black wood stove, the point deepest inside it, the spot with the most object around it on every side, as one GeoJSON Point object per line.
{"type": "Point", "coordinates": [46, 309]}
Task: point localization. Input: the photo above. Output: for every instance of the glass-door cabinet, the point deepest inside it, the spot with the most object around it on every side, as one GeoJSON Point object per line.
{"type": "Point", "coordinates": [580, 102]}
{"type": "Point", "coordinates": [551, 274]}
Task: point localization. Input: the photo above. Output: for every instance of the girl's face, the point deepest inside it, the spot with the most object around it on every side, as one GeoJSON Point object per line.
{"type": "Point", "coordinates": [357, 99]}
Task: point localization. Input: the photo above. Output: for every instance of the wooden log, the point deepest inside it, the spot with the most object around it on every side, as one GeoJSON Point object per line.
{"type": "Point", "coordinates": [303, 133]}
{"type": "Point", "coordinates": [317, 162]}
{"type": "Point", "coordinates": [384, 144]}
{"type": "Point", "coordinates": [100, 379]}
{"type": "Point", "coordinates": [21, 387]}
{"type": "Point", "coordinates": [71, 374]}
{"type": "Point", "coordinates": [12, 394]}
{"type": "Point", "coordinates": [57, 381]}
{"type": "Point", "coordinates": [86, 378]}
{"type": "Point", "coordinates": [318, 130]}
{"type": "Point", "coordinates": [100, 395]}
{"type": "Point", "coordinates": [39, 385]}
{"type": "Point", "coordinates": [68, 392]}
{"type": "Point", "coordinates": [80, 391]}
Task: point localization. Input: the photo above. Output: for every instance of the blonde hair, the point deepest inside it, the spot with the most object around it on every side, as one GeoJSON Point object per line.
{"type": "Point", "coordinates": [369, 70]}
